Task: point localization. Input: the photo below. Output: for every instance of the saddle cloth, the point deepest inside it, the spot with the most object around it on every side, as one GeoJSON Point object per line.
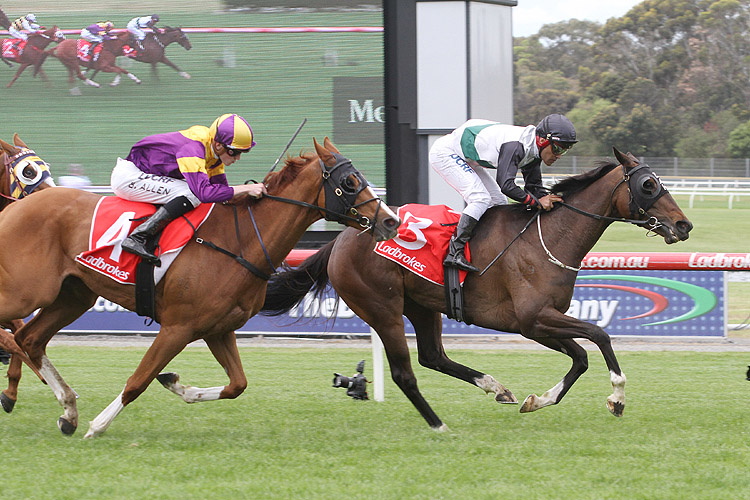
{"type": "Point", "coordinates": [422, 240]}
{"type": "Point", "coordinates": [12, 48]}
{"type": "Point", "coordinates": [83, 50]}
{"type": "Point", "coordinates": [129, 51]}
{"type": "Point", "coordinates": [112, 222]}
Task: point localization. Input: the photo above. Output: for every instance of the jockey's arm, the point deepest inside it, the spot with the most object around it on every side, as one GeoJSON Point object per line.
{"type": "Point", "coordinates": [511, 154]}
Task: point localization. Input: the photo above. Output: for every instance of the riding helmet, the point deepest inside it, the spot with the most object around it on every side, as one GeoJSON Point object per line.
{"type": "Point", "coordinates": [31, 18]}
{"type": "Point", "coordinates": [155, 18]}
{"type": "Point", "coordinates": [558, 128]}
{"type": "Point", "coordinates": [232, 131]}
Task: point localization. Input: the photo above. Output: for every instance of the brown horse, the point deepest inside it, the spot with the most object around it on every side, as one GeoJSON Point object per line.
{"type": "Point", "coordinates": [205, 294]}
{"type": "Point", "coordinates": [67, 53]}
{"type": "Point", "coordinates": [526, 291]}
{"type": "Point", "coordinates": [33, 51]}
{"type": "Point", "coordinates": [154, 49]}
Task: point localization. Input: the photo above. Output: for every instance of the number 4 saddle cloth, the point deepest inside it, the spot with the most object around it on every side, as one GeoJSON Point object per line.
{"type": "Point", "coordinates": [422, 240]}
{"type": "Point", "coordinates": [115, 218]}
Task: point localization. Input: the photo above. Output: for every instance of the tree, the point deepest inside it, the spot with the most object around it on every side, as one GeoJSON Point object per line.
{"type": "Point", "coordinates": [739, 141]}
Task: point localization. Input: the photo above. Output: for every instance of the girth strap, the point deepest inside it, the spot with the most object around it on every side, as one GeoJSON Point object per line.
{"type": "Point", "coordinates": [240, 260]}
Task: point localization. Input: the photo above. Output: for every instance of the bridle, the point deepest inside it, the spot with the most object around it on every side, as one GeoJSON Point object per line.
{"type": "Point", "coordinates": [340, 194]}
{"type": "Point", "coordinates": [26, 172]}
{"type": "Point", "coordinates": [642, 199]}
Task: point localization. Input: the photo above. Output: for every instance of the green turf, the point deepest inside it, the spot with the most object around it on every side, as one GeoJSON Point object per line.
{"type": "Point", "coordinates": [291, 435]}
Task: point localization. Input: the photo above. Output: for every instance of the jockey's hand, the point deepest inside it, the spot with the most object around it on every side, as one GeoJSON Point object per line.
{"type": "Point", "coordinates": [547, 201]}
{"type": "Point", "coordinates": [251, 190]}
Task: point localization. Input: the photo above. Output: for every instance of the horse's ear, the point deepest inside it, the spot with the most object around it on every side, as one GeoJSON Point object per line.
{"type": "Point", "coordinates": [627, 160]}
{"type": "Point", "coordinates": [9, 148]}
{"type": "Point", "coordinates": [324, 154]}
{"type": "Point", "coordinates": [18, 142]}
{"type": "Point", "coordinates": [329, 145]}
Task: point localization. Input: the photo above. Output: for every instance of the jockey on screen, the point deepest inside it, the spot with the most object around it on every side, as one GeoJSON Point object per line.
{"type": "Point", "coordinates": [96, 33]}
{"type": "Point", "coordinates": [181, 170]}
{"type": "Point", "coordinates": [136, 26]}
{"type": "Point", "coordinates": [462, 156]}
{"type": "Point", "coordinates": [24, 26]}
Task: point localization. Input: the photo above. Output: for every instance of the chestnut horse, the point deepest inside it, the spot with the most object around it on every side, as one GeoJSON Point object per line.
{"type": "Point", "coordinates": [526, 291]}
{"type": "Point", "coordinates": [205, 294]}
{"type": "Point", "coordinates": [23, 173]}
{"type": "Point", "coordinates": [33, 51]}
{"type": "Point", "coordinates": [67, 53]}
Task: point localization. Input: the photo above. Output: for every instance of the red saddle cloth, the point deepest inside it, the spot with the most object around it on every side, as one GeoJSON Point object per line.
{"type": "Point", "coordinates": [83, 50]}
{"type": "Point", "coordinates": [12, 48]}
{"type": "Point", "coordinates": [129, 51]}
{"type": "Point", "coordinates": [112, 222]}
{"type": "Point", "coordinates": [422, 240]}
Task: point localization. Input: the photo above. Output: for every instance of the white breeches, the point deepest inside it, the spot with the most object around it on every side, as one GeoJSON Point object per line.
{"type": "Point", "coordinates": [475, 184]}
{"type": "Point", "coordinates": [136, 31]}
{"type": "Point", "coordinates": [91, 37]}
{"type": "Point", "coordinates": [17, 34]}
{"type": "Point", "coordinates": [130, 183]}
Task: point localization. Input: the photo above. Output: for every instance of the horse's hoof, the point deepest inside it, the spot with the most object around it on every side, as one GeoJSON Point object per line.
{"type": "Point", "coordinates": [506, 397]}
{"type": "Point", "coordinates": [75, 91]}
{"type": "Point", "coordinates": [616, 408]}
{"type": "Point", "coordinates": [168, 379]}
{"type": "Point", "coordinates": [7, 403]}
{"type": "Point", "coordinates": [529, 404]}
{"type": "Point", "coordinates": [66, 427]}
{"type": "Point", "coordinates": [186, 76]}
{"type": "Point", "coordinates": [441, 428]}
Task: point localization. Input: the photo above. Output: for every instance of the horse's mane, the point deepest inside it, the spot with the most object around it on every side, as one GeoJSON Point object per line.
{"type": "Point", "coordinates": [576, 183]}
{"type": "Point", "coordinates": [292, 167]}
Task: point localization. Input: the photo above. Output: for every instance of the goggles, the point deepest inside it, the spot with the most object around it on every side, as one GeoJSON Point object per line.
{"type": "Point", "coordinates": [559, 149]}
{"type": "Point", "coordinates": [235, 151]}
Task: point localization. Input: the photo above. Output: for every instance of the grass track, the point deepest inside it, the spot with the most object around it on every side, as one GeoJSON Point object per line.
{"type": "Point", "coordinates": [291, 435]}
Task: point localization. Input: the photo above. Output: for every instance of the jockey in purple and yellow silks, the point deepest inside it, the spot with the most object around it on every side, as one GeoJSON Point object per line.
{"type": "Point", "coordinates": [181, 170]}
{"type": "Point", "coordinates": [96, 33]}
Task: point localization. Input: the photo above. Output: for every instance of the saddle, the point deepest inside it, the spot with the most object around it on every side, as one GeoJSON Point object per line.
{"type": "Point", "coordinates": [12, 48]}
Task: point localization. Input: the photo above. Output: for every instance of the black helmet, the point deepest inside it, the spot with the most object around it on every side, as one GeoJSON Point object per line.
{"type": "Point", "coordinates": [155, 17]}
{"type": "Point", "coordinates": [557, 128]}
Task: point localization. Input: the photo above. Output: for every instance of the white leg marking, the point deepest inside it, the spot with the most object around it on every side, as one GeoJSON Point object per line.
{"type": "Point", "coordinates": [490, 385]}
{"type": "Point", "coordinates": [616, 401]}
{"type": "Point", "coordinates": [134, 78]}
{"type": "Point", "coordinates": [91, 82]}
{"type": "Point", "coordinates": [64, 394]}
{"type": "Point", "coordinates": [534, 402]}
{"type": "Point", "coordinates": [191, 394]}
{"type": "Point", "coordinates": [185, 75]}
{"type": "Point", "coordinates": [105, 418]}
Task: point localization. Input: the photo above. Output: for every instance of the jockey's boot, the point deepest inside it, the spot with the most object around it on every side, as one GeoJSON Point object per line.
{"type": "Point", "coordinates": [139, 238]}
{"type": "Point", "coordinates": [456, 256]}
{"type": "Point", "coordinates": [140, 45]}
{"type": "Point", "coordinates": [94, 55]}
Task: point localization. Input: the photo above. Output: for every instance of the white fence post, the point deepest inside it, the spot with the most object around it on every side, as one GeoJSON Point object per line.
{"type": "Point", "coordinates": [378, 389]}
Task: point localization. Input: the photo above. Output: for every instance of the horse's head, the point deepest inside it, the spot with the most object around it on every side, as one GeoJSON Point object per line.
{"type": "Point", "coordinates": [645, 198]}
{"type": "Point", "coordinates": [179, 36]}
{"type": "Point", "coordinates": [27, 172]}
{"type": "Point", "coordinates": [53, 33]}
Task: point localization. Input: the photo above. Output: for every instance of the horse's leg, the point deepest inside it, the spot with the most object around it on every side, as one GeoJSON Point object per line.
{"type": "Point", "coordinates": [555, 394]}
{"type": "Point", "coordinates": [428, 326]}
{"type": "Point", "coordinates": [168, 343]}
{"type": "Point", "coordinates": [553, 324]}
{"type": "Point", "coordinates": [74, 299]}
{"type": "Point", "coordinates": [9, 396]}
{"type": "Point", "coordinates": [224, 349]}
{"type": "Point", "coordinates": [18, 73]}
{"type": "Point", "coordinates": [174, 67]}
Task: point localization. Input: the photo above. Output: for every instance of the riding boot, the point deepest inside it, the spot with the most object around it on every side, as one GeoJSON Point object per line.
{"type": "Point", "coordinates": [94, 55]}
{"type": "Point", "coordinates": [138, 240]}
{"type": "Point", "coordinates": [456, 256]}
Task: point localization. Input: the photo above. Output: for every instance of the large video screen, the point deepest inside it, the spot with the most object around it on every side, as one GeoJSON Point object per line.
{"type": "Point", "coordinates": [274, 66]}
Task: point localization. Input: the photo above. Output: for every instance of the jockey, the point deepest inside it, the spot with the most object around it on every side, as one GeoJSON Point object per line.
{"type": "Point", "coordinates": [96, 33]}
{"type": "Point", "coordinates": [462, 156]}
{"type": "Point", "coordinates": [180, 170]}
{"type": "Point", "coordinates": [24, 26]}
{"type": "Point", "coordinates": [138, 24]}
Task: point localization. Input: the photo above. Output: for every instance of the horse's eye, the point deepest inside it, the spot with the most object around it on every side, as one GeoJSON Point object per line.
{"type": "Point", "coordinates": [649, 186]}
{"type": "Point", "coordinates": [29, 172]}
{"type": "Point", "coordinates": [349, 184]}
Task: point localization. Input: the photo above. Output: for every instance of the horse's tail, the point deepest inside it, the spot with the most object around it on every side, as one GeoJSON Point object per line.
{"type": "Point", "coordinates": [4, 21]}
{"type": "Point", "coordinates": [287, 288]}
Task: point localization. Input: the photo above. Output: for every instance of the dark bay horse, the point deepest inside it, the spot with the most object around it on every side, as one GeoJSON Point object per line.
{"type": "Point", "coordinates": [205, 294]}
{"type": "Point", "coordinates": [523, 292]}
{"type": "Point", "coordinates": [33, 51]}
{"type": "Point", "coordinates": [67, 53]}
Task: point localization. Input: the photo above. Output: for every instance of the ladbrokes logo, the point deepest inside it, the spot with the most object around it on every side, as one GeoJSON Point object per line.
{"type": "Point", "coordinates": [358, 110]}
{"type": "Point", "coordinates": [720, 261]}
{"type": "Point", "coordinates": [103, 266]}
{"type": "Point", "coordinates": [407, 260]}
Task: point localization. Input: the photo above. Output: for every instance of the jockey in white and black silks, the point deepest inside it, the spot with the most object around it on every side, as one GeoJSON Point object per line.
{"type": "Point", "coordinates": [24, 26]}
{"type": "Point", "coordinates": [136, 26]}
{"type": "Point", "coordinates": [462, 156]}
{"type": "Point", "coordinates": [180, 170]}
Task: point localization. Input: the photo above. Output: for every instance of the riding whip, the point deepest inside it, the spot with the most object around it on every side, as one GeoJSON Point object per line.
{"type": "Point", "coordinates": [288, 145]}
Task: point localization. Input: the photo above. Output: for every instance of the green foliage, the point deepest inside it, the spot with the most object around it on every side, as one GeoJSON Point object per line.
{"type": "Point", "coordinates": [670, 69]}
{"type": "Point", "coordinates": [297, 4]}
{"type": "Point", "coordinates": [291, 435]}
{"type": "Point", "coordinates": [739, 141]}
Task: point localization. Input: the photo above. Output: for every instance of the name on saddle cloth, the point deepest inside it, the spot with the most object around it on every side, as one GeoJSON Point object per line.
{"type": "Point", "coordinates": [422, 240]}
{"type": "Point", "coordinates": [113, 221]}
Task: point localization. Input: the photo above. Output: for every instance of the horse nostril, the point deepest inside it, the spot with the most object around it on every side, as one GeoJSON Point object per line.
{"type": "Point", "coordinates": [684, 226]}
{"type": "Point", "coordinates": [391, 223]}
